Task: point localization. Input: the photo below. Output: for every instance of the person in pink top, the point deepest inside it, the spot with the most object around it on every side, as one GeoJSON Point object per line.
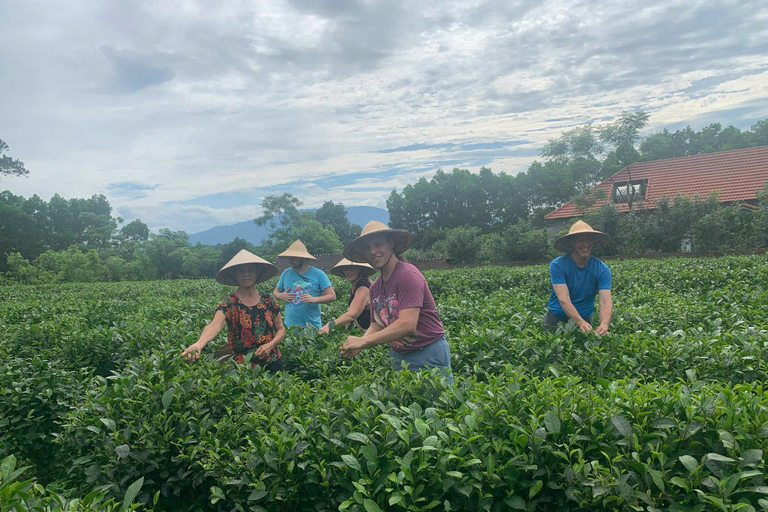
{"type": "Point", "coordinates": [403, 311]}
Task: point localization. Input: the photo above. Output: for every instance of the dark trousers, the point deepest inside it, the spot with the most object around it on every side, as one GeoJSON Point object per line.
{"type": "Point", "coordinates": [551, 321]}
{"type": "Point", "coordinates": [275, 366]}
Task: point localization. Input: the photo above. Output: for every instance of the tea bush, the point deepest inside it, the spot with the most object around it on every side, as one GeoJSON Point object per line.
{"type": "Point", "coordinates": [666, 412]}
{"type": "Point", "coordinates": [17, 495]}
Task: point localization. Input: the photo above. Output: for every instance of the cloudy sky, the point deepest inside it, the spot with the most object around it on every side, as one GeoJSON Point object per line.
{"type": "Point", "coordinates": [185, 115]}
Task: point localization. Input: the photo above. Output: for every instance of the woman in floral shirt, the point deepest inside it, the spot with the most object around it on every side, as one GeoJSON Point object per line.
{"type": "Point", "coordinates": [255, 326]}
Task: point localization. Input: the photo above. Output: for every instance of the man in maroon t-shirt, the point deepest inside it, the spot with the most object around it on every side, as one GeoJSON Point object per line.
{"type": "Point", "coordinates": [403, 311]}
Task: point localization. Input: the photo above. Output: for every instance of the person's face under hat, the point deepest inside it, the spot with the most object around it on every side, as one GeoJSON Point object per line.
{"type": "Point", "coordinates": [247, 275]}
{"type": "Point", "coordinates": [351, 273]}
{"type": "Point", "coordinates": [582, 245]}
{"type": "Point", "coordinates": [296, 262]}
{"type": "Point", "coordinates": [376, 249]}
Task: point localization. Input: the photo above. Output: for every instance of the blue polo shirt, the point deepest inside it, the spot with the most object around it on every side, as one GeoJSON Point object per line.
{"type": "Point", "coordinates": [583, 283]}
{"type": "Point", "coordinates": [312, 282]}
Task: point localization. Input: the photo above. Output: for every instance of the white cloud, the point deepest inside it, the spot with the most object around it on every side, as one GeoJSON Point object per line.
{"type": "Point", "coordinates": [275, 94]}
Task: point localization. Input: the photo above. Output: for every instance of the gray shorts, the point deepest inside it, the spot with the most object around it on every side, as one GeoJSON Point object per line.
{"type": "Point", "coordinates": [434, 355]}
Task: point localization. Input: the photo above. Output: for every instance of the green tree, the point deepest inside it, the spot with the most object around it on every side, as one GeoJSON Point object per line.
{"type": "Point", "coordinates": [130, 238]}
{"type": "Point", "coordinates": [725, 227]}
{"type": "Point", "coordinates": [165, 252]}
{"type": "Point", "coordinates": [665, 144]}
{"type": "Point", "coordinates": [335, 216]}
{"type": "Point", "coordinates": [461, 244]}
{"type": "Point", "coordinates": [449, 200]}
{"type": "Point", "coordinates": [63, 229]}
{"type": "Point", "coordinates": [280, 214]}
{"type": "Point", "coordinates": [10, 166]}
{"type": "Point", "coordinates": [23, 226]}
{"type": "Point", "coordinates": [523, 242]}
{"type": "Point", "coordinates": [545, 186]}
{"type": "Point", "coordinates": [207, 260]}
{"type": "Point", "coordinates": [115, 268]}
{"type": "Point", "coordinates": [229, 249]}
{"type": "Point", "coordinates": [21, 270]}
{"type": "Point", "coordinates": [577, 151]}
{"type": "Point", "coordinates": [760, 133]}
{"type": "Point", "coordinates": [135, 231]}
{"type": "Point", "coordinates": [503, 198]}
{"type": "Point", "coordinates": [622, 135]}
{"type": "Point", "coordinates": [676, 219]}
{"type": "Point", "coordinates": [73, 265]}
{"type": "Point", "coordinates": [94, 222]}
{"type": "Point", "coordinates": [318, 238]}
{"type": "Point", "coordinates": [710, 139]}
{"type": "Point", "coordinates": [760, 234]}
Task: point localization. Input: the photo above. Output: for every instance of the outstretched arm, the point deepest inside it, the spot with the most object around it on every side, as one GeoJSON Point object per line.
{"type": "Point", "coordinates": [358, 305]}
{"type": "Point", "coordinates": [403, 326]}
{"type": "Point", "coordinates": [192, 352]}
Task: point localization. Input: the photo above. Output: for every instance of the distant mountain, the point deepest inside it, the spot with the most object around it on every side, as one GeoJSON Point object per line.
{"type": "Point", "coordinates": [362, 215]}
{"type": "Point", "coordinates": [254, 234]}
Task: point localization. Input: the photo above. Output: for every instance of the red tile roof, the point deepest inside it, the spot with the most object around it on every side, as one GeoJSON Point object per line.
{"type": "Point", "coordinates": [736, 174]}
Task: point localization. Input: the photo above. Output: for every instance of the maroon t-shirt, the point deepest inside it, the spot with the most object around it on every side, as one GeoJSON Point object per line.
{"type": "Point", "coordinates": [406, 288]}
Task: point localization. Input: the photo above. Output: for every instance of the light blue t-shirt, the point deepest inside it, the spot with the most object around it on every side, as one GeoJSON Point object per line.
{"type": "Point", "coordinates": [313, 282]}
{"type": "Point", "coordinates": [583, 283]}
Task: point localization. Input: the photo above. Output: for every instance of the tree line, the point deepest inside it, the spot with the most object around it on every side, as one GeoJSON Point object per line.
{"type": "Point", "coordinates": [79, 240]}
{"type": "Point", "coordinates": [489, 217]}
{"type": "Point", "coordinates": [464, 216]}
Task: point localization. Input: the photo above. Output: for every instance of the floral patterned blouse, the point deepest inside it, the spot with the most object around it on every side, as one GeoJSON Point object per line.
{"type": "Point", "coordinates": [250, 326]}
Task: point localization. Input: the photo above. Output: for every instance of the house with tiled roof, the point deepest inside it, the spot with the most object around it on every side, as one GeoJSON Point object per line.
{"type": "Point", "coordinates": [735, 175]}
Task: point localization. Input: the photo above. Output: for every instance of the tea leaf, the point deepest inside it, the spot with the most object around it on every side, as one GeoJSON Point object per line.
{"type": "Point", "coordinates": [131, 493]}
{"type": "Point", "coordinates": [552, 422]}
{"type": "Point", "coordinates": [719, 458]}
{"type": "Point", "coordinates": [689, 462]}
{"type": "Point", "coordinates": [168, 397]}
{"type": "Point", "coordinates": [351, 461]}
{"type": "Point", "coordinates": [371, 506]}
{"type": "Point", "coordinates": [622, 425]}
{"type": "Point", "coordinates": [110, 424]}
{"type": "Point", "coordinates": [122, 451]}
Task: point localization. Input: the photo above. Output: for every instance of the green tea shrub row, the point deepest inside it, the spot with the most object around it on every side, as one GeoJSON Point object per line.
{"type": "Point", "coordinates": [233, 437]}
{"type": "Point", "coordinates": [34, 395]}
{"type": "Point", "coordinates": [19, 495]}
{"type": "Point", "coordinates": [492, 314]}
{"type": "Point", "coordinates": [682, 328]}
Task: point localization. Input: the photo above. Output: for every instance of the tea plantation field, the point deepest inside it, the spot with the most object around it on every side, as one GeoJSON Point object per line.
{"type": "Point", "coordinates": [666, 412]}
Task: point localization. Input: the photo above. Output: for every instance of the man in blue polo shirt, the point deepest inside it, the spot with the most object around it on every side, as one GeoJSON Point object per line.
{"type": "Point", "coordinates": [303, 287]}
{"type": "Point", "coordinates": [577, 278]}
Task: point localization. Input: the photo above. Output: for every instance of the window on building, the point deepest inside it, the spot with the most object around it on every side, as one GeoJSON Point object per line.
{"type": "Point", "coordinates": [625, 191]}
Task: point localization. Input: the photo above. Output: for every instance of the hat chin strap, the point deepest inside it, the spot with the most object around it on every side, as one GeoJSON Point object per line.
{"type": "Point", "coordinates": [388, 260]}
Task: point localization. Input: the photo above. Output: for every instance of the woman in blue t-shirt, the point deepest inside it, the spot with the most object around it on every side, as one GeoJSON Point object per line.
{"type": "Point", "coordinates": [577, 278]}
{"type": "Point", "coordinates": [302, 287]}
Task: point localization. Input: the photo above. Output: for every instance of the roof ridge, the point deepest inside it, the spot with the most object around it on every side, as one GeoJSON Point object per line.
{"type": "Point", "coordinates": [736, 173]}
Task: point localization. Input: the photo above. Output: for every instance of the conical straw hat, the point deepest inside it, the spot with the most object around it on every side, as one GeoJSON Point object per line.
{"type": "Point", "coordinates": [227, 276]}
{"type": "Point", "coordinates": [565, 243]}
{"type": "Point", "coordinates": [296, 250]}
{"type": "Point", "coordinates": [365, 269]}
{"type": "Point", "coordinates": [403, 240]}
